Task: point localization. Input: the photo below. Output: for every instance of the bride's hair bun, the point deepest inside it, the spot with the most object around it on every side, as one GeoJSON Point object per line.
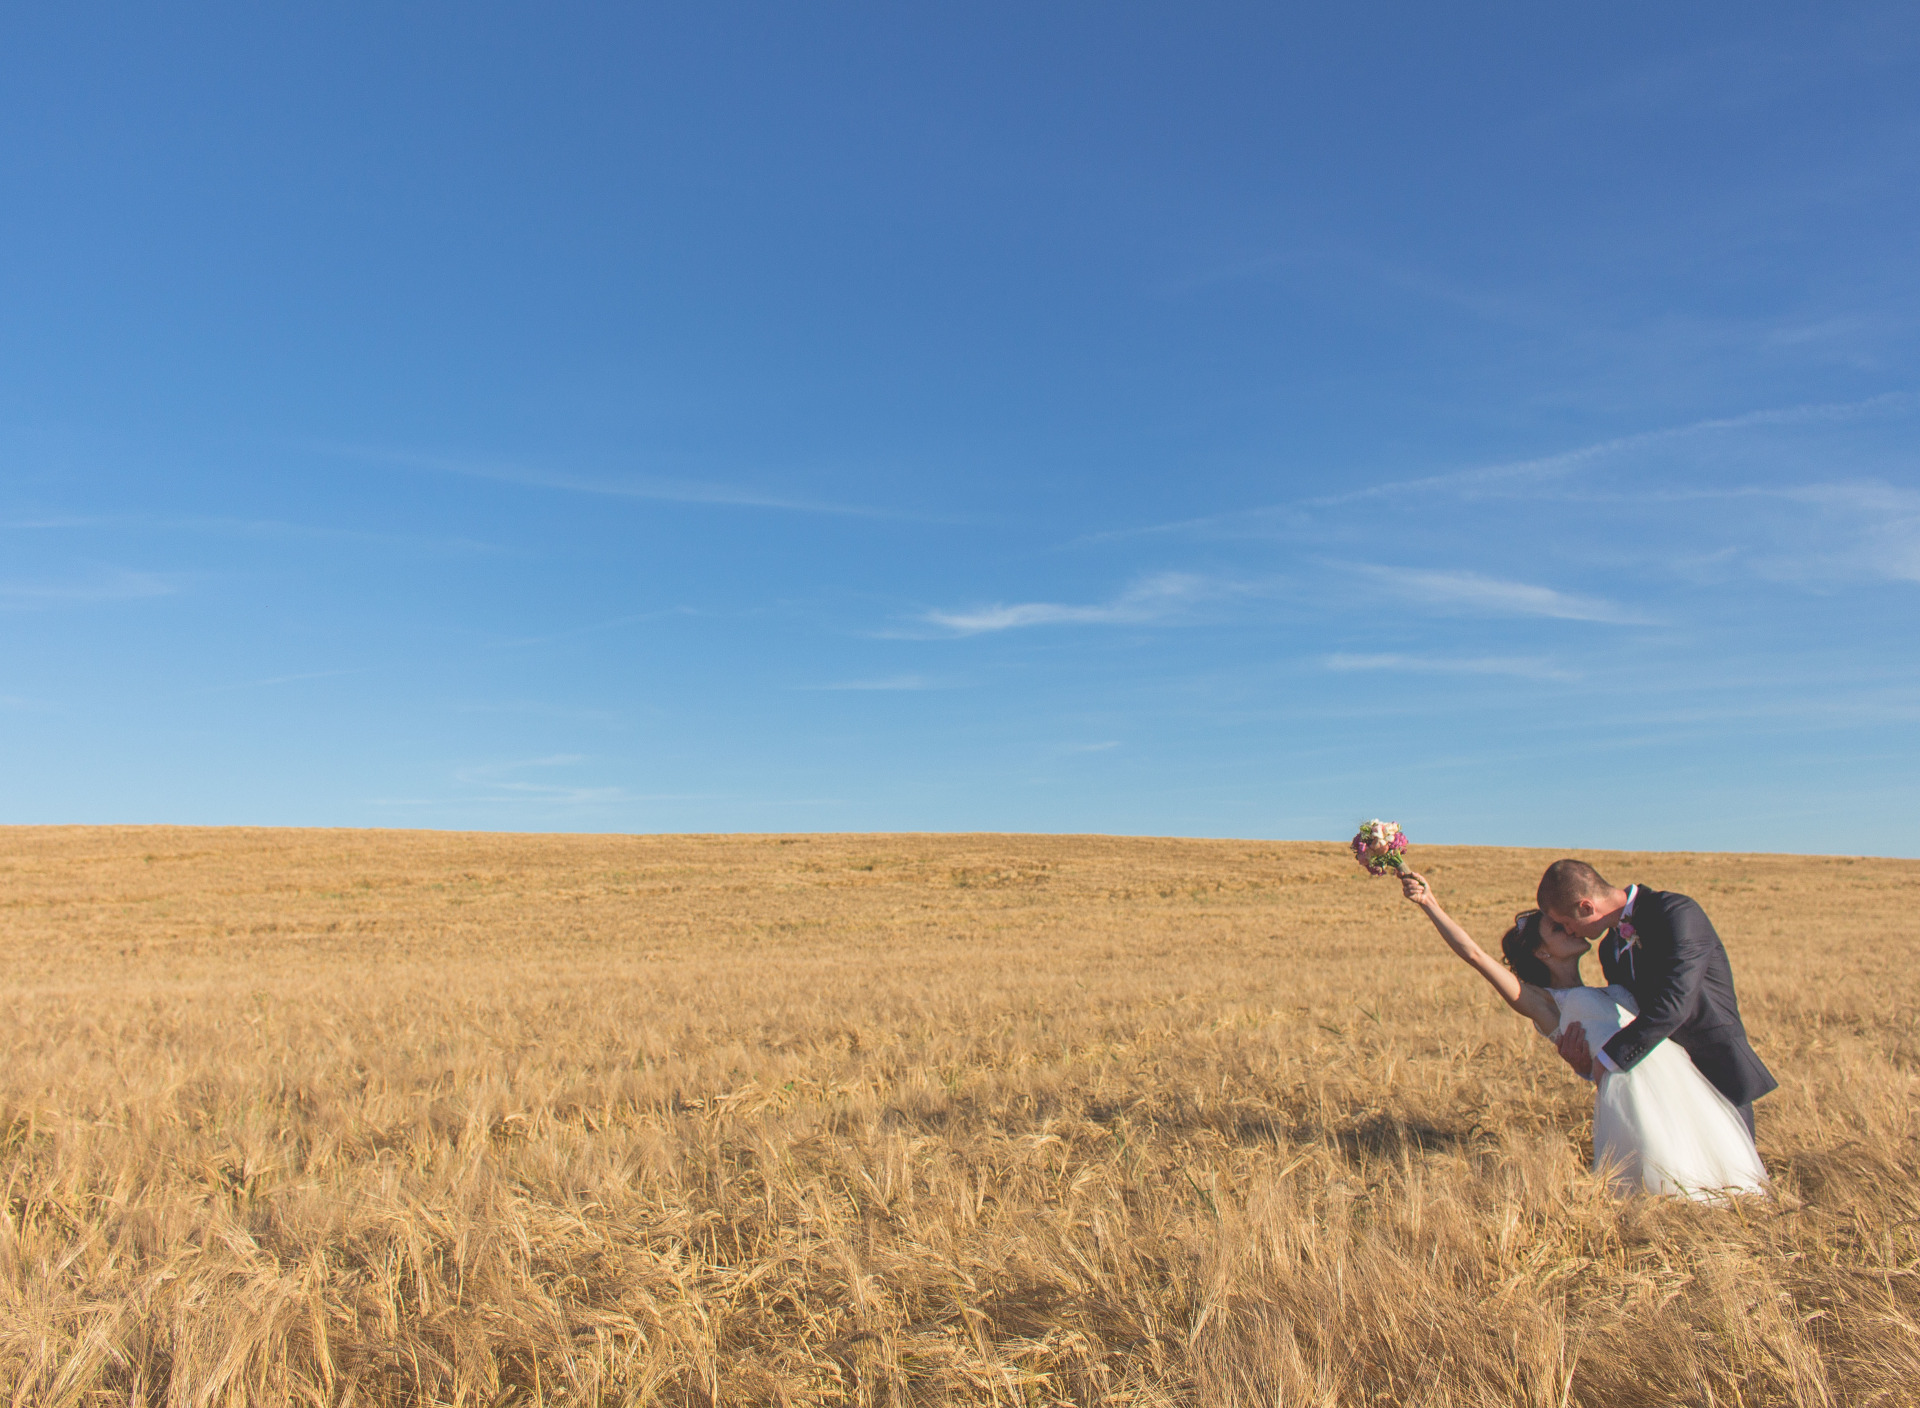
{"type": "Point", "coordinates": [1517, 946]}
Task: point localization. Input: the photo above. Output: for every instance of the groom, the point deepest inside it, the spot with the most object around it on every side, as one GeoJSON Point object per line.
{"type": "Point", "coordinates": [1663, 950]}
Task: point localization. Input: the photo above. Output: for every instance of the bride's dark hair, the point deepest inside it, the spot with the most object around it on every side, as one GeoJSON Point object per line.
{"type": "Point", "coordinates": [1517, 946]}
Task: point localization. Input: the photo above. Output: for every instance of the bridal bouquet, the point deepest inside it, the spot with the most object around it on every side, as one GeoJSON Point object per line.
{"type": "Point", "coordinates": [1381, 846]}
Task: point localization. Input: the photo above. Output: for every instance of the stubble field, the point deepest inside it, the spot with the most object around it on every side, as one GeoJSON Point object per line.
{"type": "Point", "coordinates": [396, 1118]}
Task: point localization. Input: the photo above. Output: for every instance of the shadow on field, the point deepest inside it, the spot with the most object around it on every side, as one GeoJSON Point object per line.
{"type": "Point", "coordinates": [1366, 1135]}
{"type": "Point", "coordinates": [1389, 1137]}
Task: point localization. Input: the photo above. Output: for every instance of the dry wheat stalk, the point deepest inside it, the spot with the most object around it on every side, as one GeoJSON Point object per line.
{"type": "Point", "coordinates": [397, 1118]}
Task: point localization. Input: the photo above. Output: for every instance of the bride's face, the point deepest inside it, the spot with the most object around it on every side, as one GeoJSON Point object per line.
{"type": "Point", "coordinates": [1558, 941]}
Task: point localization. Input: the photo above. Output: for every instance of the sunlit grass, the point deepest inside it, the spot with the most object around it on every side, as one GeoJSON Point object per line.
{"type": "Point", "coordinates": [389, 1118]}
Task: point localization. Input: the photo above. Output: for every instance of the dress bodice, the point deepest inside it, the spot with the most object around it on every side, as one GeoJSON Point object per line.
{"type": "Point", "coordinates": [1659, 1126]}
{"type": "Point", "coordinates": [1600, 1011]}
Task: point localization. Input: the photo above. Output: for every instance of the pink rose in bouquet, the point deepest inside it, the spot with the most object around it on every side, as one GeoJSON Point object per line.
{"type": "Point", "coordinates": [1381, 846]}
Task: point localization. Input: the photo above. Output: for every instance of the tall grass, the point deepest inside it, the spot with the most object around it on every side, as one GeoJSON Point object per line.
{"type": "Point", "coordinates": [399, 1118]}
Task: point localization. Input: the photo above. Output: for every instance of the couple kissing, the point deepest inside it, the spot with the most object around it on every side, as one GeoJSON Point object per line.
{"type": "Point", "coordinates": [1674, 1074]}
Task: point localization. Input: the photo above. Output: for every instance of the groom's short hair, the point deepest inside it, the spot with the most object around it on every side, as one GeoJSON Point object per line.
{"type": "Point", "coordinates": [1566, 883]}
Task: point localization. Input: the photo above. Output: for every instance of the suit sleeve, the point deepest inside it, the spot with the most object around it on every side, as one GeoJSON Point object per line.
{"type": "Point", "coordinates": [1677, 993]}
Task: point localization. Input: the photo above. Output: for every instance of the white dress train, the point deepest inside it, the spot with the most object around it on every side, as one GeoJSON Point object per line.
{"type": "Point", "coordinates": [1661, 1126]}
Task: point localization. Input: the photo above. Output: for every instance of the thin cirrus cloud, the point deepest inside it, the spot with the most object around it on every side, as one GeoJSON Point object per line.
{"type": "Point", "coordinates": [272, 681]}
{"type": "Point", "coordinates": [507, 782]}
{"type": "Point", "coordinates": [242, 528]}
{"type": "Point", "coordinates": [120, 585]}
{"type": "Point", "coordinates": [491, 772]}
{"type": "Point", "coordinates": [1154, 599]}
{"type": "Point", "coordinates": [1521, 478]}
{"type": "Point", "coordinates": [679, 491]}
{"type": "Point", "coordinates": [1856, 528]}
{"type": "Point", "coordinates": [1487, 478]}
{"type": "Point", "coordinates": [1886, 518]}
{"type": "Point", "coordinates": [593, 627]}
{"type": "Point", "coordinates": [1518, 667]}
{"type": "Point", "coordinates": [1471, 592]}
{"type": "Point", "coordinates": [1895, 550]}
{"type": "Point", "coordinates": [886, 684]}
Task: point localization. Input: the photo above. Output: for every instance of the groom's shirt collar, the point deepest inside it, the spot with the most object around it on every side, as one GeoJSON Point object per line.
{"type": "Point", "coordinates": [1604, 1061]}
{"type": "Point", "coordinates": [1623, 936]}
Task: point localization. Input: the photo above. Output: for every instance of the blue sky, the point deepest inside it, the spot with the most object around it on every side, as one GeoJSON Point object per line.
{"type": "Point", "coordinates": [1208, 420]}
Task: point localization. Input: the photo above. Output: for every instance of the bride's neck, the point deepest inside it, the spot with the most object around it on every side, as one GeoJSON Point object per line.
{"type": "Point", "coordinates": [1566, 972]}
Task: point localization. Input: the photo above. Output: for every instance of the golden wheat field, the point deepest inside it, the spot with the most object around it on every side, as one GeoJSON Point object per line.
{"type": "Point", "coordinates": [376, 1118]}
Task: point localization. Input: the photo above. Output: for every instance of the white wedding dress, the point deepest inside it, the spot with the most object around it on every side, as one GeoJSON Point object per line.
{"type": "Point", "coordinates": [1661, 1126]}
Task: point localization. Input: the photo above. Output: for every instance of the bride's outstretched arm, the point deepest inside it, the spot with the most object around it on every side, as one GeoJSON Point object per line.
{"type": "Point", "coordinates": [1530, 1002]}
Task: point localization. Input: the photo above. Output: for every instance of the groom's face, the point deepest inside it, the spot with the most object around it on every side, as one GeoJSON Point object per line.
{"type": "Point", "coordinates": [1581, 924]}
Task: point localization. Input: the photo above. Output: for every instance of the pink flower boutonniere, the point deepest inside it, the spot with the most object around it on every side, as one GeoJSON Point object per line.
{"type": "Point", "coordinates": [1629, 936]}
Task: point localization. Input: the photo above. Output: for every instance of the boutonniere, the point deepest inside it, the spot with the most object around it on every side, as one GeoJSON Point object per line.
{"type": "Point", "coordinates": [1629, 936]}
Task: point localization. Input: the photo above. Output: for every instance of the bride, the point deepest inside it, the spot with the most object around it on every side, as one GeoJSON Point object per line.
{"type": "Point", "coordinates": [1660, 1126]}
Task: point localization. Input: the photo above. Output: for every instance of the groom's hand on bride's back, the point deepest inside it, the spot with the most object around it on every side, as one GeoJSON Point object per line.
{"type": "Point", "coordinates": [1573, 1050]}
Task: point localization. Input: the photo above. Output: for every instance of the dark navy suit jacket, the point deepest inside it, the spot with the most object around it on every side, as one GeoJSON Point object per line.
{"type": "Point", "coordinates": [1680, 977]}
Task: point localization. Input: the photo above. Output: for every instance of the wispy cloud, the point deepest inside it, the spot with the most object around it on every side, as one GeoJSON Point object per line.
{"type": "Point", "coordinates": [537, 797]}
{"type": "Point", "coordinates": [1519, 667]}
{"type": "Point", "coordinates": [1887, 519]}
{"type": "Point", "coordinates": [646, 487]}
{"type": "Point", "coordinates": [1496, 596]}
{"type": "Point", "coordinates": [1346, 265]}
{"type": "Point", "coordinates": [1858, 527]}
{"type": "Point", "coordinates": [890, 682]}
{"type": "Point", "coordinates": [593, 627]}
{"type": "Point", "coordinates": [538, 709]}
{"type": "Point", "coordinates": [272, 680]}
{"type": "Point", "coordinates": [1864, 496]}
{"type": "Point", "coordinates": [1565, 461]}
{"type": "Point", "coordinates": [114, 585]}
{"type": "Point", "coordinates": [1154, 599]}
{"type": "Point", "coordinates": [507, 782]}
{"type": "Point", "coordinates": [1800, 333]}
{"type": "Point", "coordinates": [487, 772]}
{"type": "Point", "coordinates": [1510, 476]}
{"type": "Point", "coordinates": [241, 528]}
{"type": "Point", "coordinates": [1895, 549]}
